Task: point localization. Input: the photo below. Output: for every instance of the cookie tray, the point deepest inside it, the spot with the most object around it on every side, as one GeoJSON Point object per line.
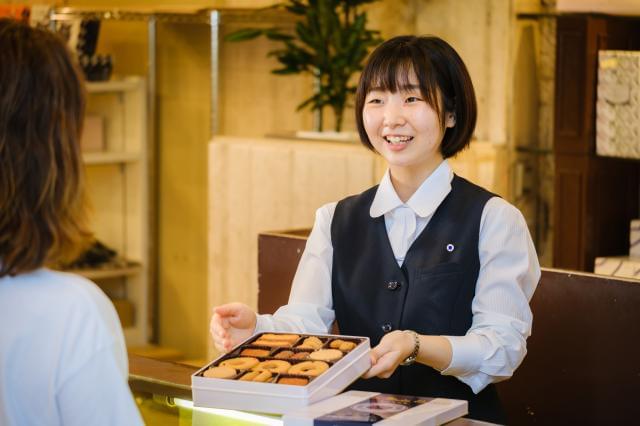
{"type": "Point", "coordinates": [280, 398]}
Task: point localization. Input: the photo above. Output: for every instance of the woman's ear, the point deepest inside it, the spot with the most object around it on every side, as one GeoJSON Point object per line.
{"type": "Point", "coordinates": [450, 120]}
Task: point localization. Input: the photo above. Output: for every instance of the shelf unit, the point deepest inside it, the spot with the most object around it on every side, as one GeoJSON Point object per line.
{"type": "Point", "coordinates": [117, 184]}
{"type": "Point", "coordinates": [159, 21]}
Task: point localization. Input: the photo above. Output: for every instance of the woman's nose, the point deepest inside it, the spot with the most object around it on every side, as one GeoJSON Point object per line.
{"type": "Point", "coordinates": [393, 115]}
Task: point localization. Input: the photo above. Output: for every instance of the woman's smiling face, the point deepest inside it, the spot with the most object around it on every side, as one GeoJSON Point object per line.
{"type": "Point", "coordinates": [404, 128]}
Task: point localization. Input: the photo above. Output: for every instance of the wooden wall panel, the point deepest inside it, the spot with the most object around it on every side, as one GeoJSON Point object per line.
{"type": "Point", "coordinates": [258, 185]}
{"type": "Point", "coordinates": [570, 182]}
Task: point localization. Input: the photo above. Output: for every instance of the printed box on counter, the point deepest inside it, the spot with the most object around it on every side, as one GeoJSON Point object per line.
{"type": "Point", "coordinates": [278, 372]}
{"type": "Point", "coordinates": [620, 266]}
{"type": "Point", "coordinates": [371, 408]}
{"type": "Point", "coordinates": [634, 238]}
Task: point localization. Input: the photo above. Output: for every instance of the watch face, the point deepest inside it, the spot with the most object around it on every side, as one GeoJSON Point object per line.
{"type": "Point", "coordinates": [409, 360]}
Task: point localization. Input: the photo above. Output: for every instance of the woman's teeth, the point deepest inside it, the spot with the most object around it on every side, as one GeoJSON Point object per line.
{"type": "Point", "coordinates": [398, 139]}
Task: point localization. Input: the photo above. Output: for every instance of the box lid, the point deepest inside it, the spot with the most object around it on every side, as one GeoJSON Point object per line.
{"type": "Point", "coordinates": [368, 408]}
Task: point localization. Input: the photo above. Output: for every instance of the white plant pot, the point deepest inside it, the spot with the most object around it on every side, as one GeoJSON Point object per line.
{"type": "Point", "coordinates": [328, 135]}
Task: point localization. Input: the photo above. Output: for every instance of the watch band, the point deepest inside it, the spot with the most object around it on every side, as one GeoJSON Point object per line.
{"type": "Point", "coordinates": [416, 348]}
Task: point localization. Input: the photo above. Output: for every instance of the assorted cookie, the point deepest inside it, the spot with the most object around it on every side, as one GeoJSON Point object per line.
{"type": "Point", "coordinates": [326, 355]}
{"type": "Point", "coordinates": [287, 359]}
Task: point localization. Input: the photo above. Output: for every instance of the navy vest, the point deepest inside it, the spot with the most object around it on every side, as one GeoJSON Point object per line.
{"type": "Point", "coordinates": [431, 294]}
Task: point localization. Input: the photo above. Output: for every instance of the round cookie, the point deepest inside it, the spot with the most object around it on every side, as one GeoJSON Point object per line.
{"type": "Point", "coordinates": [343, 345]}
{"type": "Point", "coordinates": [347, 346]}
{"type": "Point", "coordinates": [273, 365]}
{"type": "Point", "coordinates": [326, 355]}
{"type": "Point", "coordinates": [335, 344]}
{"type": "Point", "coordinates": [220, 372]}
{"type": "Point", "coordinates": [311, 342]}
{"type": "Point", "coordinates": [256, 376]}
{"type": "Point", "coordinates": [240, 363]}
{"type": "Point", "coordinates": [309, 368]}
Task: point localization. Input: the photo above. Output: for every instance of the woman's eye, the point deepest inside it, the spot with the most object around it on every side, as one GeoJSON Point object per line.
{"type": "Point", "coordinates": [413, 99]}
{"type": "Point", "coordinates": [374, 101]}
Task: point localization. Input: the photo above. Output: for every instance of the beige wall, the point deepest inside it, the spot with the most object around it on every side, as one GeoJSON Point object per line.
{"type": "Point", "coordinates": [254, 103]}
{"type": "Point", "coordinates": [476, 29]}
{"type": "Point", "coordinates": [183, 133]}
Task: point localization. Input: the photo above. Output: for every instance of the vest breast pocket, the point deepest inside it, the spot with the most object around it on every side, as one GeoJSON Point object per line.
{"type": "Point", "coordinates": [433, 295]}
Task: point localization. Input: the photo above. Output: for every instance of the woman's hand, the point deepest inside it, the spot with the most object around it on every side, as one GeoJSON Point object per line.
{"type": "Point", "coordinates": [390, 352]}
{"type": "Point", "coordinates": [231, 324]}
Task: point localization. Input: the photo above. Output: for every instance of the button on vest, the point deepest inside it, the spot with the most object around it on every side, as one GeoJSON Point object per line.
{"type": "Point", "coordinates": [393, 285]}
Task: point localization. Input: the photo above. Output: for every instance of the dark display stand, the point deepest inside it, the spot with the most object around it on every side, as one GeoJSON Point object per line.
{"type": "Point", "coordinates": [595, 197]}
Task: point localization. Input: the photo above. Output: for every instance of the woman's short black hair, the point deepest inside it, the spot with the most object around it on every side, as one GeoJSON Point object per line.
{"type": "Point", "coordinates": [442, 76]}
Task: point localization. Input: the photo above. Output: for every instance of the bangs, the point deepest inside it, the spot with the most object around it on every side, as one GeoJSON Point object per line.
{"type": "Point", "coordinates": [400, 72]}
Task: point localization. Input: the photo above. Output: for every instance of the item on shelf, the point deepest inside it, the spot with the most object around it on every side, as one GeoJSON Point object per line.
{"type": "Point", "coordinates": [618, 266]}
{"type": "Point", "coordinates": [18, 12]}
{"type": "Point", "coordinates": [88, 37]}
{"type": "Point", "coordinates": [634, 238]}
{"type": "Point", "coordinates": [126, 312]}
{"type": "Point", "coordinates": [97, 255]}
{"type": "Point", "coordinates": [618, 104]}
{"type": "Point", "coordinates": [290, 384]}
{"type": "Point", "coordinates": [81, 36]}
{"type": "Point", "coordinates": [368, 408]}
{"type": "Point", "coordinates": [96, 67]}
{"type": "Point", "coordinates": [92, 134]}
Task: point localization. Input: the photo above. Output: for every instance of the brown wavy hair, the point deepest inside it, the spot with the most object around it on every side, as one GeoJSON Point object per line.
{"type": "Point", "coordinates": [42, 103]}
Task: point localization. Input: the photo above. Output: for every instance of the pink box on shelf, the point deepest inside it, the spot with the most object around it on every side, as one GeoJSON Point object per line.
{"type": "Point", "coordinates": [93, 134]}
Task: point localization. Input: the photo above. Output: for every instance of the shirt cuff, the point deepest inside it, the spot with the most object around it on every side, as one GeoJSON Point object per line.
{"type": "Point", "coordinates": [465, 350]}
{"type": "Point", "coordinates": [464, 363]}
{"type": "Point", "coordinates": [263, 323]}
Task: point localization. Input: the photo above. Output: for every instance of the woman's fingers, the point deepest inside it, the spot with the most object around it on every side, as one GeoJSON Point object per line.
{"type": "Point", "coordinates": [386, 365]}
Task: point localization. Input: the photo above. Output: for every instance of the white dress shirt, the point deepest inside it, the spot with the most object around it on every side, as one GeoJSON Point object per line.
{"type": "Point", "coordinates": [495, 345]}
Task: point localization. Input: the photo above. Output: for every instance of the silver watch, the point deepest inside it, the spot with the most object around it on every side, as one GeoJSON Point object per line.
{"type": "Point", "coordinates": [416, 348]}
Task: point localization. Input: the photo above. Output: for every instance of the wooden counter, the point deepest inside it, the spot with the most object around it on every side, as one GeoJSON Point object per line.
{"type": "Point", "coordinates": [173, 380]}
{"type": "Point", "coordinates": [583, 360]}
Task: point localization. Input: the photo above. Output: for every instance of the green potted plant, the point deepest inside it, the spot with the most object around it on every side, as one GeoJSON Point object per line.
{"type": "Point", "coordinates": [330, 42]}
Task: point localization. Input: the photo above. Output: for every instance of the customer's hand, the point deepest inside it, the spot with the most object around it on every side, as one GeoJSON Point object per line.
{"type": "Point", "coordinates": [394, 348]}
{"type": "Point", "coordinates": [231, 324]}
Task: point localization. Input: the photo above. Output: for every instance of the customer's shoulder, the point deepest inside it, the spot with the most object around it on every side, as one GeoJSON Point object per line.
{"type": "Point", "coordinates": [69, 289]}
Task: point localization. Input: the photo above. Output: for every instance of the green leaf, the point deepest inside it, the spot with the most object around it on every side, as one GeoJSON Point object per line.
{"type": "Point", "coordinates": [244, 34]}
{"type": "Point", "coordinates": [278, 36]}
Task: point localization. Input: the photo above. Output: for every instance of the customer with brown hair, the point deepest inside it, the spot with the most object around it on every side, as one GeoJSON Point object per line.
{"type": "Point", "coordinates": [62, 353]}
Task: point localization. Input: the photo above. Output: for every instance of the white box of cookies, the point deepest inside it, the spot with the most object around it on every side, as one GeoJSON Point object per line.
{"type": "Point", "coordinates": [278, 372]}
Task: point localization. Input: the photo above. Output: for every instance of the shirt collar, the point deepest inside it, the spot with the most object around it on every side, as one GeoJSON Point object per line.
{"type": "Point", "coordinates": [423, 202]}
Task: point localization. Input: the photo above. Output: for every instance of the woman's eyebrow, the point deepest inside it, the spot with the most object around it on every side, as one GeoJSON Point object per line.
{"type": "Point", "coordinates": [400, 87]}
{"type": "Point", "coordinates": [409, 87]}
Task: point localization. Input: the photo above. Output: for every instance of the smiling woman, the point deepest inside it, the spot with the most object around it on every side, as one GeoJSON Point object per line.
{"type": "Point", "coordinates": [435, 270]}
